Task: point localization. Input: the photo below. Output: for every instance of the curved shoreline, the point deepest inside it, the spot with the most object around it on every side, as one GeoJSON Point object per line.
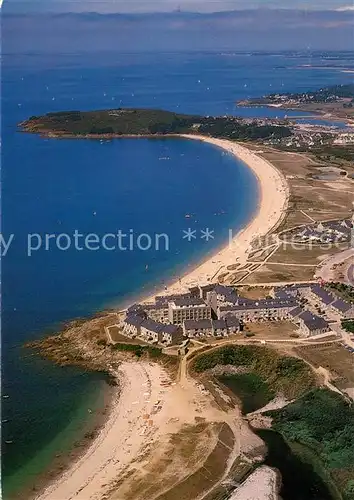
{"type": "Point", "coordinates": [108, 457]}
{"type": "Point", "coordinates": [271, 209]}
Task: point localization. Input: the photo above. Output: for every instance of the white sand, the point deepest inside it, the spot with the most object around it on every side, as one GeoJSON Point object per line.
{"type": "Point", "coordinates": [149, 408]}
{"type": "Point", "coordinates": [119, 440]}
{"type": "Point", "coordinates": [273, 202]}
{"type": "Point", "coordinates": [261, 485]}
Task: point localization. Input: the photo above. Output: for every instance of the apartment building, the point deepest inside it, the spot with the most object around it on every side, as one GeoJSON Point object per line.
{"type": "Point", "coordinates": [188, 308]}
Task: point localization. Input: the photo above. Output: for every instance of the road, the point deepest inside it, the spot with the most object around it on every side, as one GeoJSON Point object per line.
{"type": "Point", "coordinates": [279, 283]}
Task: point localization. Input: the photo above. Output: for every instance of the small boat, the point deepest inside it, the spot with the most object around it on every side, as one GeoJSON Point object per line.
{"type": "Point", "coordinates": [146, 267]}
{"type": "Point", "coordinates": [6, 396]}
{"type": "Point", "coordinates": [187, 216]}
{"type": "Point", "coordinates": [4, 421]}
{"type": "Point", "coordinates": [8, 442]}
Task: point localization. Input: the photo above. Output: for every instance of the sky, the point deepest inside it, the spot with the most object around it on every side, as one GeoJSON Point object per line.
{"type": "Point", "coordinates": [136, 6]}
{"type": "Point", "coordinates": [238, 30]}
{"type": "Point", "coordinates": [200, 24]}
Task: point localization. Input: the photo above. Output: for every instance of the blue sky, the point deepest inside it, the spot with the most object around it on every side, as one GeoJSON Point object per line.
{"type": "Point", "coordinates": [106, 6]}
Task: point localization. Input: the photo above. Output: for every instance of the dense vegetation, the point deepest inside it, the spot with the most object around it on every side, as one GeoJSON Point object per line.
{"type": "Point", "coordinates": [150, 122]}
{"type": "Point", "coordinates": [253, 392]}
{"type": "Point", "coordinates": [288, 375]}
{"type": "Point", "coordinates": [335, 153]}
{"type": "Point", "coordinates": [302, 473]}
{"type": "Point", "coordinates": [345, 291]}
{"type": "Point", "coordinates": [348, 325]}
{"type": "Point", "coordinates": [139, 350]}
{"type": "Point", "coordinates": [323, 421]}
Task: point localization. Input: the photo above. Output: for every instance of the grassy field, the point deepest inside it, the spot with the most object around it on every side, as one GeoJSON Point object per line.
{"type": "Point", "coordinates": [211, 471]}
{"type": "Point", "coordinates": [290, 376]}
{"type": "Point", "coordinates": [334, 358]}
{"type": "Point", "coordinates": [279, 330]}
{"type": "Point", "coordinates": [277, 272]}
{"type": "Point", "coordinates": [321, 200]}
{"type": "Point", "coordinates": [305, 254]}
{"type": "Point", "coordinates": [253, 292]}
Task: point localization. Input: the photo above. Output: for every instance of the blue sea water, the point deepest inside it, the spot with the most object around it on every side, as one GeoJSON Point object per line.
{"type": "Point", "coordinates": [59, 186]}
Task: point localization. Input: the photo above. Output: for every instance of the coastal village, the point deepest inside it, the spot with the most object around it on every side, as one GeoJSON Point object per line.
{"type": "Point", "coordinates": [219, 311]}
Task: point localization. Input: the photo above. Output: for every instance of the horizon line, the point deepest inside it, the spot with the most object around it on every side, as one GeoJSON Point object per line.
{"type": "Point", "coordinates": [3, 6]}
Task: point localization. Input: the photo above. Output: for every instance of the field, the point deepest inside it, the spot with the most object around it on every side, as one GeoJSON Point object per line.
{"type": "Point", "coordinates": [305, 254]}
{"type": "Point", "coordinates": [287, 375]}
{"type": "Point", "coordinates": [272, 330]}
{"type": "Point", "coordinates": [254, 292]}
{"type": "Point", "coordinates": [334, 358]}
{"type": "Point", "coordinates": [279, 273]}
{"type": "Point", "coordinates": [311, 200]}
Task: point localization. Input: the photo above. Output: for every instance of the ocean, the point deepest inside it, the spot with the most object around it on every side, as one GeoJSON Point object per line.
{"type": "Point", "coordinates": [149, 186]}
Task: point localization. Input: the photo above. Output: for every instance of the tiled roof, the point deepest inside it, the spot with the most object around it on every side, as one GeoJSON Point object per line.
{"type": "Point", "coordinates": [191, 324]}
{"type": "Point", "coordinates": [342, 306]}
{"type": "Point", "coordinates": [170, 329]}
{"type": "Point", "coordinates": [134, 319]}
{"type": "Point", "coordinates": [188, 301]}
{"type": "Point", "coordinates": [163, 300]}
{"type": "Point", "coordinates": [322, 294]}
{"type": "Point", "coordinates": [261, 304]}
{"type": "Point", "coordinates": [312, 321]}
{"type": "Point", "coordinates": [152, 326]}
{"type": "Point", "coordinates": [232, 321]}
{"type": "Point", "coordinates": [295, 312]}
{"type": "Point", "coordinates": [219, 324]}
{"type": "Point", "coordinates": [224, 290]}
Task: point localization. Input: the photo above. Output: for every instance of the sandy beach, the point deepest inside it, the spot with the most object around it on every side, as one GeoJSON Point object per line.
{"type": "Point", "coordinates": [149, 410]}
{"type": "Point", "coordinates": [272, 205]}
{"type": "Point", "coordinates": [251, 490]}
{"type": "Point", "coordinates": [150, 407]}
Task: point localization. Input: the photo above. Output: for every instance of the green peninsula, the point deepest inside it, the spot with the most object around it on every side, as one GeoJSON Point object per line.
{"type": "Point", "coordinates": [150, 122]}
